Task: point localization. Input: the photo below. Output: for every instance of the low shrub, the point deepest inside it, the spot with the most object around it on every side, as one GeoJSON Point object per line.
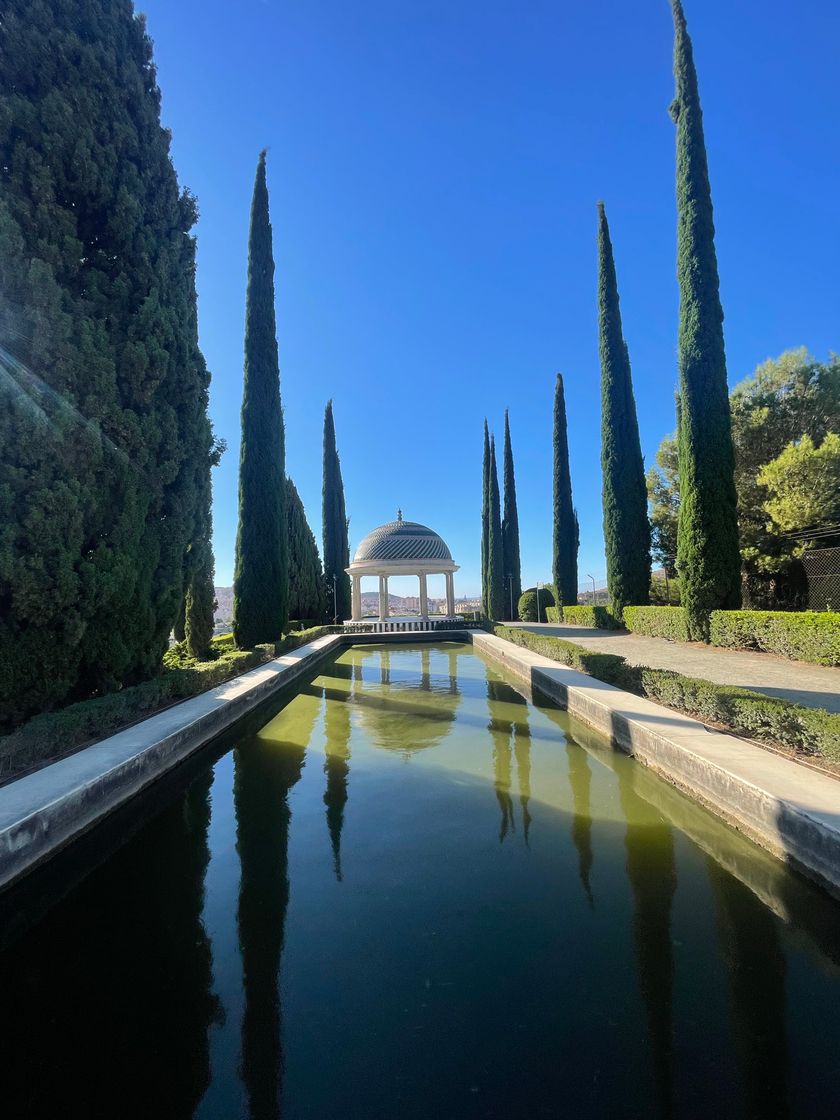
{"type": "Point", "coordinates": [53, 734]}
{"type": "Point", "coordinates": [657, 622]}
{"type": "Point", "coordinates": [527, 606]}
{"type": "Point", "coordinates": [803, 635]}
{"type": "Point", "coordinates": [600, 618]}
{"type": "Point", "coordinates": [807, 730]}
{"type": "Point", "coordinates": [553, 614]}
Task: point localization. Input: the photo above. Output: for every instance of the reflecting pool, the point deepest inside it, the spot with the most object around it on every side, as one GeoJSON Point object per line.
{"type": "Point", "coordinates": [410, 892]}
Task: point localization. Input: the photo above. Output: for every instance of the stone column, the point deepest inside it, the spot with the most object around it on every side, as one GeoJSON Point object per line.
{"type": "Point", "coordinates": [424, 598]}
{"type": "Point", "coordinates": [450, 594]}
{"type": "Point", "coordinates": [383, 598]}
{"type": "Point", "coordinates": [357, 597]}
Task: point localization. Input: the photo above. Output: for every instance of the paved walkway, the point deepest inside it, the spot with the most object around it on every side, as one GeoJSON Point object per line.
{"type": "Point", "coordinates": [815, 686]}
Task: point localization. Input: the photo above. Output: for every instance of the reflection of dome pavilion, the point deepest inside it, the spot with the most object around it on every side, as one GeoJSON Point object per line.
{"type": "Point", "coordinates": [402, 548]}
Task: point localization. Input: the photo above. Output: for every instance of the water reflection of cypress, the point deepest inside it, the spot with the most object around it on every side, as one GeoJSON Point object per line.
{"type": "Point", "coordinates": [749, 938]}
{"type": "Point", "coordinates": [108, 1001]}
{"type": "Point", "coordinates": [649, 845]}
{"type": "Point", "coordinates": [265, 771]}
{"type": "Point", "coordinates": [337, 764]}
{"type": "Point", "coordinates": [580, 779]}
{"type": "Point", "coordinates": [501, 697]}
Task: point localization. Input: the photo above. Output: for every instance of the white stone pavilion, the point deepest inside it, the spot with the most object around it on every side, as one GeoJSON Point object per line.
{"type": "Point", "coordinates": [402, 548]}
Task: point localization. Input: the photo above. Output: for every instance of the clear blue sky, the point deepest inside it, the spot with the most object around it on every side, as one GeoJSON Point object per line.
{"type": "Point", "coordinates": [434, 167]}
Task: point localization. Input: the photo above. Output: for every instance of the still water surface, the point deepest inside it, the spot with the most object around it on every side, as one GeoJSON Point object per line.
{"type": "Point", "coordinates": [412, 893]}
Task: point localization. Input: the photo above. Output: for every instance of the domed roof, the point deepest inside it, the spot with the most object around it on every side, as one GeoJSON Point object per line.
{"type": "Point", "coordinates": [402, 540]}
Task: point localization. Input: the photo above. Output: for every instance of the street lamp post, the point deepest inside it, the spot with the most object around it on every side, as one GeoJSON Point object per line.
{"type": "Point", "coordinates": [539, 585]}
{"type": "Point", "coordinates": [335, 601]}
{"type": "Point", "coordinates": [509, 578]}
{"type": "Point", "coordinates": [594, 593]}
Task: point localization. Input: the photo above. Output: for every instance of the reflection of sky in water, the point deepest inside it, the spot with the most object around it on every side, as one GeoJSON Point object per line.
{"type": "Point", "coordinates": [413, 893]}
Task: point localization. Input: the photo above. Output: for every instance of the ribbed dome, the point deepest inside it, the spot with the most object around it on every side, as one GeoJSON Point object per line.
{"type": "Point", "coordinates": [402, 540]}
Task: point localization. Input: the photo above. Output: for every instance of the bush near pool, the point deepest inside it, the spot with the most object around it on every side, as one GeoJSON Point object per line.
{"type": "Point", "coordinates": [657, 622]}
{"type": "Point", "coordinates": [527, 606]}
{"type": "Point", "coordinates": [809, 731]}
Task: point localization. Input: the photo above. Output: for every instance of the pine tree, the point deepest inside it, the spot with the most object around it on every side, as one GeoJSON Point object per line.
{"type": "Point", "coordinates": [261, 571]}
{"type": "Point", "coordinates": [510, 531]}
{"type": "Point", "coordinates": [307, 595]}
{"type": "Point", "coordinates": [707, 546]}
{"type": "Point", "coordinates": [103, 390]}
{"type": "Point", "coordinates": [485, 519]}
{"type": "Point", "coordinates": [495, 548]}
{"type": "Point", "coordinates": [626, 526]}
{"type": "Point", "coordinates": [565, 545]}
{"type": "Point", "coordinates": [336, 541]}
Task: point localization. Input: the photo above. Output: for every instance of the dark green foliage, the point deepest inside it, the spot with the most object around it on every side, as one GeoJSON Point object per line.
{"type": "Point", "coordinates": [495, 553]}
{"type": "Point", "coordinates": [626, 527]}
{"type": "Point", "coordinates": [566, 532]}
{"type": "Point", "coordinates": [527, 605]}
{"type": "Point", "coordinates": [103, 391]}
{"type": "Point", "coordinates": [261, 571]}
{"type": "Point", "coordinates": [336, 541]}
{"type": "Point", "coordinates": [510, 531]}
{"type": "Point", "coordinates": [806, 730]}
{"type": "Point", "coordinates": [53, 734]}
{"type": "Point", "coordinates": [707, 552]}
{"type": "Point", "coordinates": [602, 618]}
{"type": "Point", "coordinates": [658, 622]}
{"type": "Point", "coordinates": [803, 636]}
{"type": "Point", "coordinates": [485, 519]}
{"type": "Point", "coordinates": [307, 595]}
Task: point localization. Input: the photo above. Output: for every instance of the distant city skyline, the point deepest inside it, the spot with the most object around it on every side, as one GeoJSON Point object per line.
{"type": "Point", "coordinates": [433, 174]}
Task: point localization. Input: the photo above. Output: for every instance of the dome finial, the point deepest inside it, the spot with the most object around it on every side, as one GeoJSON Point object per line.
{"type": "Point", "coordinates": [399, 515]}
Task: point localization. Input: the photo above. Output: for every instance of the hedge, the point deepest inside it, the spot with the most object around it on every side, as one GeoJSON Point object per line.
{"type": "Point", "coordinates": [657, 622]}
{"type": "Point", "coordinates": [767, 718]}
{"type": "Point", "coordinates": [527, 605]}
{"type": "Point", "coordinates": [812, 636]}
{"type": "Point", "coordinates": [804, 636]}
{"type": "Point", "coordinates": [552, 614]}
{"type": "Point", "coordinates": [53, 734]}
{"type": "Point", "coordinates": [600, 618]}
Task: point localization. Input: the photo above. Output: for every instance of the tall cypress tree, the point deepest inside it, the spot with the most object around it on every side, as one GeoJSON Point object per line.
{"type": "Point", "coordinates": [495, 550]}
{"type": "Point", "coordinates": [626, 526]}
{"type": "Point", "coordinates": [103, 391]}
{"type": "Point", "coordinates": [510, 531]}
{"type": "Point", "coordinates": [707, 542]}
{"type": "Point", "coordinates": [485, 519]}
{"type": "Point", "coordinates": [565, 544]}
{"type": "Point", "coordinates": [336, 541]}
{"type": "Point", "coordinates": [307, 595]}
{"type": "Point", "coordinates": [261, 572]}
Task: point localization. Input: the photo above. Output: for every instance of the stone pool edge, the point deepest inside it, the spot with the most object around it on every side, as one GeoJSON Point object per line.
{"type": "Point", "coordinates": [790, 810]}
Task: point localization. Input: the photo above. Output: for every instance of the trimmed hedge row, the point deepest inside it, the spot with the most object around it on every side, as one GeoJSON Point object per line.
{"type": "Point", "coordinates": [657, 622]}
{"type": "Point", "coordinates": [807, 730]}
{"type": "Point", "coordinates": [812, 636]}
{"type": "Point", "coordinates": [804, 636]}
{"type": "Point", "coordinates": [601, 618]}
{"type": "Point", "coordinates": [53, 734]}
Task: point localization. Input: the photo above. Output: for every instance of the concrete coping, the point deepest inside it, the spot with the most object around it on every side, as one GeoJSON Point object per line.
{"type": "Point", "coordinates": [789, 809]}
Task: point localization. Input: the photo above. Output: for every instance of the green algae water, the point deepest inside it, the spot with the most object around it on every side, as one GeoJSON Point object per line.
{"type": "Point", "coordinates": [410, 892]}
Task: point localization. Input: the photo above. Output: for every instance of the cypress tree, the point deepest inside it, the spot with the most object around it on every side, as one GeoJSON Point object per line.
{"type": "Point", "coordinates": [307, 595]}
{"type": "Point", "coordinates": [707, 542]}
{"type": "Point", "coordinates": [495, 550]}
{"type": "Point", "coordinates": [565, 544]}
{"type": "Point", "coordinates": [336, 541]}
{"type": "Point", "coordinates": [510, 531]}
{"type": "Point", "coordinates": [626, 526]}
{"type": "Point", "coordinates": [102, 388]}
{"type": "Point", "coordinates": [485, 519]}
{"type": "Point", "coordinates": [261, 571]}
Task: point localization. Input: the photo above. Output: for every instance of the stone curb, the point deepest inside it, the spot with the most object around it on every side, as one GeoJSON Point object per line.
{"type": "Point", "coordinates": [790, 810]}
